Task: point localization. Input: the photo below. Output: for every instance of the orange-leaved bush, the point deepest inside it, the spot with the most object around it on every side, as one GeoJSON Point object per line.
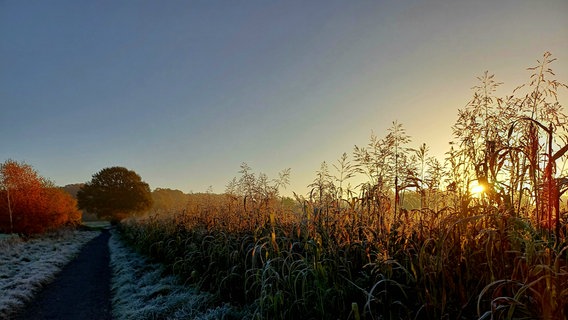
{"type": "Point", "coordinates": [30, 203]}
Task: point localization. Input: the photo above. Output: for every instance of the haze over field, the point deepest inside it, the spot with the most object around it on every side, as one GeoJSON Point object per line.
{"type": "Point", "coordinates": [184, 92]}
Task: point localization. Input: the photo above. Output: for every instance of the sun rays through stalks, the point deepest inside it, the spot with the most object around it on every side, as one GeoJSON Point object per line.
{"type": "Point", "coordinates": [392, 232]}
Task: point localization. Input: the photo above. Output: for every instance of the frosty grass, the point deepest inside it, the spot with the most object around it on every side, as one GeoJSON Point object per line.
{"type": "Point", "coordinates": [142, 290]}
{"type": "Point", "coordinates": [27, 266]}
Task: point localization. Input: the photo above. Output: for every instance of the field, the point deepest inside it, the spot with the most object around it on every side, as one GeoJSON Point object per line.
{"type": "Point", "coordinates": [392, 176]}
{"type": "Point", "coordinates": [482, 265]}
{"type": "Point", "coordinates": [387, 232]}
{"type": "Point", "coordinates": [480, 236]}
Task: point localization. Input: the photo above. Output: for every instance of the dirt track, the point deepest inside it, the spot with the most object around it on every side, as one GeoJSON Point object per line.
{"type": "Point", "coordinates": [82, 289]}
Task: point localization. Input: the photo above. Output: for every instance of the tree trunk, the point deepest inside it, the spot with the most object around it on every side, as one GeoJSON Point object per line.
{"type": "Point", "coordinates": [10, 210]}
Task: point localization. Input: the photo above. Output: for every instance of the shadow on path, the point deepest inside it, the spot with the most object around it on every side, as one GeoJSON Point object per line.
{"type": "Point", "coordinates": [80, 291]}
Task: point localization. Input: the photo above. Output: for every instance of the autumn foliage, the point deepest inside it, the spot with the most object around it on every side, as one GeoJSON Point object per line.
{"type": "Point", "coordinates": [31, 204]}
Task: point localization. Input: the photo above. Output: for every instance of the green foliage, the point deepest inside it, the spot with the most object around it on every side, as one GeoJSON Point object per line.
{"type": "Point", "coordinates": [115, 193]}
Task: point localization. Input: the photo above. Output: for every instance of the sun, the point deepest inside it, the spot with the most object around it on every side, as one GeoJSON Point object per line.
{"type": "Point", "coordinates": [475, 188]}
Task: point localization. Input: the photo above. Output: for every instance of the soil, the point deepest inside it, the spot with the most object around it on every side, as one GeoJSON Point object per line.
{"type": "Point", "coordinates": [81, 290]}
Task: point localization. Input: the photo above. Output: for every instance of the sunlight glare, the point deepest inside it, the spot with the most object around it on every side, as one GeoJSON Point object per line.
{"type": "Point", "coordinates": [475, 188]}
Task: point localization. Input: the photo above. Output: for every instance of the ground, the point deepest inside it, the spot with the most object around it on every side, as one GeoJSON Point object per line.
{"type": "Point", "coordinates": [105, 279]}
{"type": "Point", "coordinates": [82, 289]}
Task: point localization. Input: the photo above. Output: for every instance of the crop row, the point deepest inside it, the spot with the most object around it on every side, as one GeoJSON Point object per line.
{"type": "Point", "coordinates": [464, 267]}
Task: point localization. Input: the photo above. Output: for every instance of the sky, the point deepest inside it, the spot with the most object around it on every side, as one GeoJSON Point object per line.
{"type": "Point", "coordinates": [183, 92]}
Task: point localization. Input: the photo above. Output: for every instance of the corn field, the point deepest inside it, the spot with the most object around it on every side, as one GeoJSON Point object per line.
{"type": "Point", "coordinates": [390, 232]}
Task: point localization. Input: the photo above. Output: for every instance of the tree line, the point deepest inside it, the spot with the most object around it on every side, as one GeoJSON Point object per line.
{"type": "Point", "coordinates": [31, 204]}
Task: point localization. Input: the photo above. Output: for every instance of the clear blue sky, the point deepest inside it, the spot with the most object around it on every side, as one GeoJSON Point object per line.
{"type": "Point", "coordinates": [183, 92]}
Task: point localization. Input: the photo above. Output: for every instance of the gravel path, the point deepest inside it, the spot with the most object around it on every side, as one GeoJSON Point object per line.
{"type": "Point", "coordinates": [82, 289]}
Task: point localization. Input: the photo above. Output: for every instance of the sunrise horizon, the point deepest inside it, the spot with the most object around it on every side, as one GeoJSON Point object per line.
{"type": "Point", "coordinates": [184, 93]}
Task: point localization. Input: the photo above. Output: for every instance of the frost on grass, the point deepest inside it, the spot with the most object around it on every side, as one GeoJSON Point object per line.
{"type": "Point", "coordinates": [142, 290]}
{"type": "Point", "coordinates": [27, 266]}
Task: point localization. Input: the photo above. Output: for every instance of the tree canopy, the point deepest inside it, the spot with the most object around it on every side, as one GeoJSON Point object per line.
{"type": "Point", "coordinates": [30, 203]}
{"type": "Point", "coordinates": [115, 193]}
{"type": "Point", "coordinates": [168, 200]}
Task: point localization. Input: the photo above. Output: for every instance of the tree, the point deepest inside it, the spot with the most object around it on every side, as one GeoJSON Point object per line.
{"type": "Point", "coordinates": [168, 200]}
{"type": "Point", "coordinates": [72, 189]}
{"type": "Point", "coordinates": [21, 187]}
{"type": "Point", "coordinates": [30, 203]}
{"type": "Point", "coordinates": [115, 193]}
{"type": "Point", "coordinates": [60, 207]}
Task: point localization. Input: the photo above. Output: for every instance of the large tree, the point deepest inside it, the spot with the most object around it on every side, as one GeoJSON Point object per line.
{"type": "Point", "coordinates": [115, 193]}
